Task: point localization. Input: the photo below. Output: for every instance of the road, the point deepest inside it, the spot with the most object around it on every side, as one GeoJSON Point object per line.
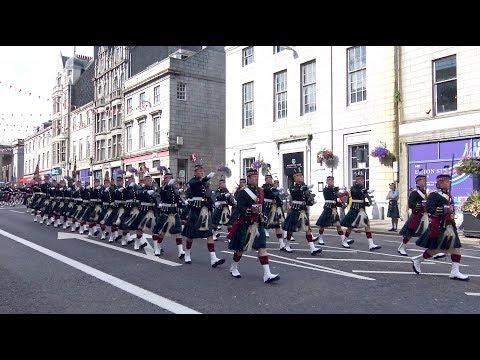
{"type": "Point", "coordinates": [47, 270]}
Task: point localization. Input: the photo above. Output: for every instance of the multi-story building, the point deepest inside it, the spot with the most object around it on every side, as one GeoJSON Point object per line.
{"type": "Point", "coordinates": [285, 104]}
{"type": "Point", "coordinates": [38, 150]}
{"type": "Point", "coordinates": [113, 65]}
{"type": "Point", "coordinates": [440, 106]}
{"type": "Point", "coordinates": [175, 108]}
{"type": "Point", "coordinates": [6, 156]}
{"type": "Point", "coordinates": [72, 73]}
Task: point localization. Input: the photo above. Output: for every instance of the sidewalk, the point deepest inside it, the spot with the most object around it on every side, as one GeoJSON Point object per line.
{"type": "Point", "coordinates": [382, 227]}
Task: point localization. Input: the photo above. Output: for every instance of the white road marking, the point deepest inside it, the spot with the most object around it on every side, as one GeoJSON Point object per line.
{"type": "Point", "coordinates": [312, 267]}
{"type": "Point", "coordinates": [146, 295]}
{"type": "Point", "coordinates": [20, 212]}
{"type": "Point", "coordinates": [327, 269]}
{"type": "Point", "coordinates": [472, 294]}
{"type": "Point", "coordinates": [276, 242]}
{"type": "Point", "coordinates": [308, 250]}
{"type": "Point", "coordinates": [467, 256]}
{"type": "Point", "coordinates": [403, 273]}
{"type": "Point", "coordinates": [362, 260]}
{"type": "Point", "coordinates": [64, 235]}
{"type": "Point", "coordinates": [397, 256]}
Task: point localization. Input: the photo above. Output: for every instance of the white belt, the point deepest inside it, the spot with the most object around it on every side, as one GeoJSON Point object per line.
{"type": "Point", "coordinates": [119, 202]}
{"type": "Point", "coordinates": [268, 200]}
{"type": "Point", "coordinates": [78, 199]}
{"type": "Point", "coordinates": [147, 204]}
{"type": "Point", "coordinates": [94, 199]}
{"type": "Point", "coordinates": [357, 201]}
{"type": "Point", "coordinates": [106, 203]}
{"type": "Point", "coordinates": [85, 201]}
{"type": "Point", "coordinates": [298, 202]}
{"type": "Point", "coordinates": [129, 201]}
{"type": "Point", "coordinates": [37, 193]}
{"type": "Point", "coordinates": [196, 199]}
{"type": "Point", "coordinates": [218, 203]}
{"type": "Point", "coordinates": [167, 205]}
{"type": "Point", "coordinates": [330, 201]}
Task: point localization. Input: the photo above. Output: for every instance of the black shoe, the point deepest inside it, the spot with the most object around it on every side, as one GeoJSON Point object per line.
{"type": "Point", "coordinates": [117, 238]}
{"type": "Point", "coordinates": [188, 262]}
{"type": "Point", "coordinates": [236, 276]}
{"type": "Point", "coordinates": [143, 245]}
{"type": "Point", "coordinates": [272, 279]}
{"type": "Point", "coordinates": [376, 247]}
{"type": "Point", "coordinates": [130, 241]}
{"type": "Point", "coordinates": [392, 229]}
{"type": "Point", "coordinates": [96, 233]}
{"type": "Point", "coordinates": [439, 256]}
{"type": "Point", "coordinates": [351, 241]}
{"type": "Point", "coordinates": [317, 251]}
{"type": "Point", "coordinates": [219, 262]}
{"type": "Point", "coordinates": [182, 256]}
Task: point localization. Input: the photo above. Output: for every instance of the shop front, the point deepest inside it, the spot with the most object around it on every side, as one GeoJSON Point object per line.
{"type": "Point", "coordinates": [84, 175]}
{"type": "Point", "coordinates": [149, 161]}
{"type": "Point", "coordinates": [434, 158]}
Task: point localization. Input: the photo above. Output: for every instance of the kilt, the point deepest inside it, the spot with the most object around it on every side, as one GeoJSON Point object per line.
{"type": "Point", "coordinates": [145, 220]}
{"type": "Point", "coordinates": [239, 238]}
{"type": "Point", "coordinates": [436, 237]}
{"type": "Point", "coordinates": [168, 224]}
{"type": "Point", "coordinates": [274, 215]}
{"type": "Point", "coordinates": [39, 204]}
{"type": "Point", "coordinates": [95, 215]}
{"type": "Point", "coordinates": [58, 204]}
{"type": "Point", "coordinates": [50, 206]}
{"type": "Point", "coordinates": [217, 218]}
{"type": "Point", "coordinates": [329, 217]}
{"type": "Point", "coordinates": [191, 228]}
{"type": "Point", "coordinates": [415, 225]}
{"type": "Point", "coordinates": [108, 215]}
{"type": "Point", "coordinates": [393, 209]}
{"type": "Point", "coordinates": [234, 216]}
{"type": "Point", "coordinates": [89, 209]}
{"type": "Point", "coordinates": [67, 205]}
{"type": "Point", "coordinates": [74, 209]}
{"type": "Point", "coordinates": [355, 218]}
{"type": "Point", "coordinates": [44, 205]}
{"type": "Point", "coordinates": [128, 221]}
{"type": "Point", "coordinates": [293, 221]}
{"type": "Point", "coordinates": [80, 209]}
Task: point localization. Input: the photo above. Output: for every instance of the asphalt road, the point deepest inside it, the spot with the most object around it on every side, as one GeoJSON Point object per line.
{"type": "Point", "coordinates": [42, 272]}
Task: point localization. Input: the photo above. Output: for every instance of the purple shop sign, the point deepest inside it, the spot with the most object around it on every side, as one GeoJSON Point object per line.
{"type": "Point", "coordinates": [421, 152]}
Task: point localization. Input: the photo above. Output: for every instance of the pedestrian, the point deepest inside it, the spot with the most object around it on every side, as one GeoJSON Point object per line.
{"type": "Point", "coordinates": [441, 234]}
{"type": "Point", "coordinates": [393, 212]}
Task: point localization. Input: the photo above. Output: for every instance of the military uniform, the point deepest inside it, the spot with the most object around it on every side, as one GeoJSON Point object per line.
{"type": "Point", "coordinates": [221, 212]}
{"type": "Point", "coordinates": [96, 204]}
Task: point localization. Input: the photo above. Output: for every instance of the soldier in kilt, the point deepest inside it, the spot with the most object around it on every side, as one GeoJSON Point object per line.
{"type": "Point", "coordinates": [329, 216]}
{"type": "Point", "coordinates": [43, 201]}
{"type": "Point", "coordinates": [132, 205]}
{"type": "Point", "coordinates": [118, 207]}
{"type": "Point", "coordinates": [77, 208]}
{"type": "Point", "coordinates": [248, 231]}
{"type": "Point", "coordinates": [272, 209]}
{"type": "Point", "coordinates": [48, 213]}
{"type": "Point", "coordinates": [37, 191]}
{"type": "Point", "coordinates": [60, 203]}
{"type": "Point", "coordinates": [441, 235]}
{"type": "Point", "coordinates": [357, 217]}
{"type": "Point", "coordinates": [95, 203]}
{"type": "Point", "coordinates": [87, 208]}
{"type": "Point", "coordinates": [221, 212]}
{"type": "Point", "coordinates": [146, 219]}
{"type": "Point", "coordinates": [234, 214]}
{"type": "Point", "coordinates": [69, 203]}
{"type": "Point", "coordinates": [199, 221]}
{"type": "Point", "coordinates": [298, 216]}
{"type": "Point", "coordinates": [107, 207]}
{"type": "Point", "coordinates": [417, 223]}
{"type": "Point", "coordinates": [168, 221]}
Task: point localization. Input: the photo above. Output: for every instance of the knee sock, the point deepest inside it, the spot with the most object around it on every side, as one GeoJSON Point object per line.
{"type": "Point", "coordinates": [211, 247]}
{"type": "Point", "coordinates": [406, 239]}
{"type": "Point", "coordinates": [347, 233]}
{"type": "Point", "coordinates": [263, 259]}
{"type": "Point", "coordinates": [309, 237]}
{"type": "Point", "coordinates": [340, 232]}
{"type": "Point", "coordinates": [456, 257]}
{"type": "Point", "coordinates": [189, 244]}
{"type": "Point", "coordinates": [426, 255]}
{"type": "Point", "coordinates": [320, 231]}
{"type": "Point", "coordinates": [289, 236]}
{"type": "Point", "coordinates": [236, 257]}
{"type": "Point", "coordinates": [368, 234]}
{"type": "Point", "coordinates": [179, 241]}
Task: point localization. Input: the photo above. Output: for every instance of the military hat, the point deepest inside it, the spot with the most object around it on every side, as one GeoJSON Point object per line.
{"type": "Point", "coordinates": [268, 176]}
{"type": "Point", "coordinates": [297, 170]}
{"type": "Point", "coordinates": [444, 176]}
{"type": "Point", "coordinates": [197, 167]}
{"type": "Point", "coordinates": [420, 176]}
{"type": "Point", "coordinates": [252, 172]}
{"type": "Point", "coordinates": [243, 179]}
{"type": "Point", "coordinates": [358, 174]}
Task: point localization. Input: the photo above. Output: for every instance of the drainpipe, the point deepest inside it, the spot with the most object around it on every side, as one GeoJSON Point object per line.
{"type": "Point", "coordinates": [396, 111]}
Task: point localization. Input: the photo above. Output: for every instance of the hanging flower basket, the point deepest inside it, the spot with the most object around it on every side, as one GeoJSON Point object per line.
{"type": "Point", "coordinates": [327, 157]}
{"type": "Point", "coordinates": [385, 156]}
{"type": "Point", "coordinates": [469, 165]}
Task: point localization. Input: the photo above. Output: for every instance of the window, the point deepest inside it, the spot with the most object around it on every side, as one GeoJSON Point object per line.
{"type": "Point", "coordinates": [181, 91]}
{"type": "Point", "coordinates": [247, 106]}
{"type": "Point", "coordinates": [129, 138]}
{"type": "Point", "coordinates": [80, 149]}
{"type": "Point", "coordinates": [357, 87]}
{"type": "Point", "coordinates": [129, 106]}
{"type": "Point", "coordinates": [156, 130]}
{"type": "Point", "coordinates": [309, 87]}
{"type": "Point", "coordinates": [89, 118]}
{"type": "Point", "coordinates": [43, 161]}
{"type": "Point", "coordinates": [103, 123]}
{"type": "Point", "coordinates": [74, 147]}
{"type": "Point", "coordinates": [48, 159]}
{"type": "Point", "coordinates": [280, 84]}
{"type": "Point", "coordinates": [81, 120]}
{"type": "Point", "coordinates": [247, 164]}
{"type": "Point", "coordinates": [359, 154]}
{"type": "Point", "coordinates": [87, 147]}
{"type": "Point", "coordinates": [100, 149]}
{"type": "Point", "coordinates": [116, 145]}
{"type": "Point", "coordinates": [141, 142]}
{"type": "Point", "coordinates": [247, 56]}
{"type": "Point", "coordinates": [277, 49]}
{"type": "Point", "coordinates": [63, 150]}
{"type": "Point", "coordinates": [141, 100]}
{"type": "Point", "coordinates": [445, 84]}
{"type": "Point", "coordinates": [156, 94]}
{"type": "Point", "coordinates": [109, 149]}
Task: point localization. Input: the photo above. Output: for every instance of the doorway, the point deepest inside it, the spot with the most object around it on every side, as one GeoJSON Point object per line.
{"type": "Point", "coordinates": [291, 161]}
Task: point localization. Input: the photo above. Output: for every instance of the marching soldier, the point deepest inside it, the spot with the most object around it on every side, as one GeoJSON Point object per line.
{"type": "Point", "coordinates": [69, 203]}
{"type": "Point", "coordinates": [145, 221]}
{"type": "Point", "coordinates": [132, 205]}
{"type": "Point", "coordinates": [96, 204]}
{"type": "Point", "coordinates": [199, 222]}
{"type": "Point", "coordinates": [48, 213]}
{"type": "Point", "coordinates": [168, 219]}
{"type": "Point", "coordinates": [272, 209]}
{"type": "Point", "coordinates": [441, 234]}
{"type": "Point", "coordinates": [41, 204]}
{"type": "Point", "coordinates": [234, 213]}
{"type": "Point", "coordinates": [118, 208]}
{"type": "Point", "coordinates": [77, 208]}
{"type": "Point", "coordinates": [86, 208]}
{"type": "Point", "coordinates": [297, 218]}
{"type": "Point", "coordinates": [329, 216]}
{"type": "Point", "coordinates": [107, 207]}
{"type": "Point", "coordinates": [357, 217]}
{"type": "Point", "coordinates": [221, 212]}
{"type": "Point", "coordinates": [248, 231]}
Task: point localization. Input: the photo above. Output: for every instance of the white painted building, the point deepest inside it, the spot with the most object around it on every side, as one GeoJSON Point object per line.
{"type": "Point", "coordinates": [81, 144]}
{"type": "Point", "coordinates": [38, 149]}
{"type": "Point", "coordinates": [292, 102]}
{"type": "Point", "coordinates": [440, 116]}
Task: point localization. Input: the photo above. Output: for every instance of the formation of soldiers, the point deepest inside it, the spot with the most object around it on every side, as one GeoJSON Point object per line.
{"type": "Point", "coordinates": [11, 194]}
{"type": "Point", "coordinates": [125, 211]}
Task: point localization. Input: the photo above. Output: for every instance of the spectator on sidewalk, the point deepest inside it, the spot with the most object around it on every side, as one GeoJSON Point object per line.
{"type": "Point", "coordinates": [393, 211]}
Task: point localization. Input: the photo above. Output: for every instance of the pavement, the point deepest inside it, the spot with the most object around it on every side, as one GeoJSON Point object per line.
{"type": "Point", "coordinates": [44, 270]}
